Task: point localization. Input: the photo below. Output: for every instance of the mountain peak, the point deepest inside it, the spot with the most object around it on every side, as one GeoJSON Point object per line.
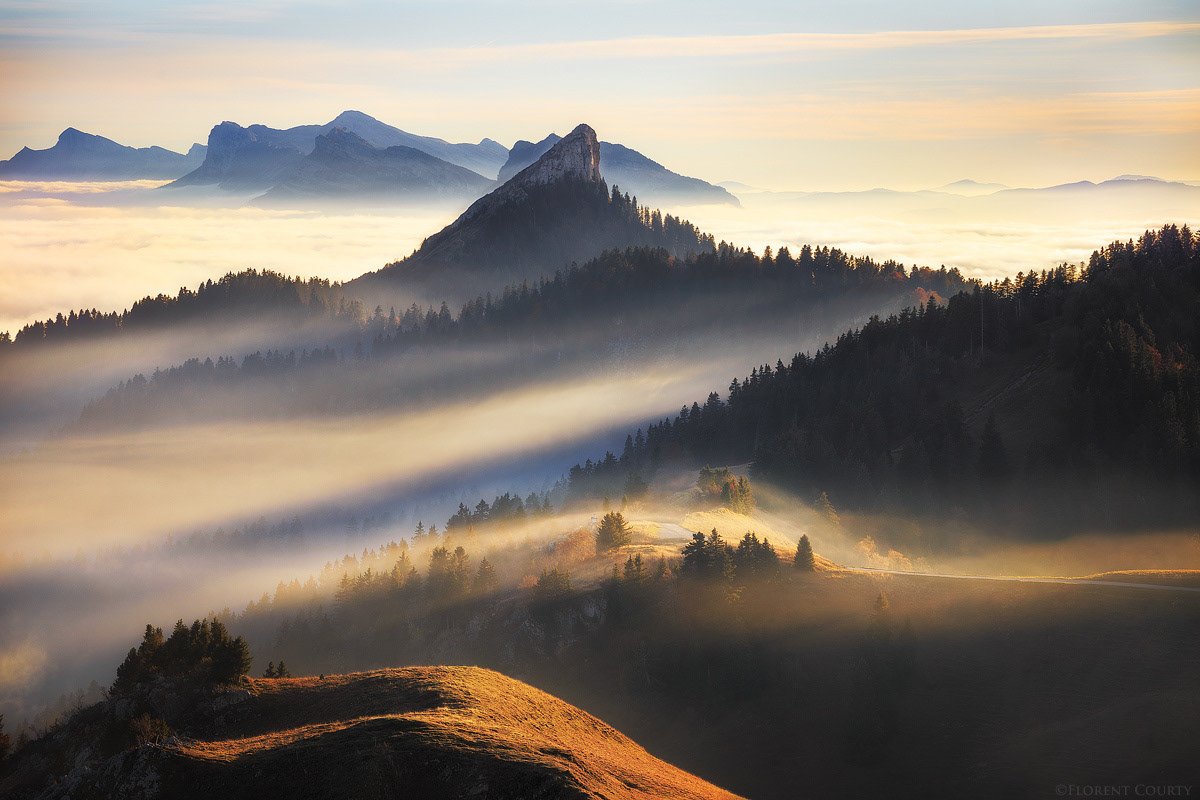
{"type": "Point", "coordinates": [72, 135]}
{"type": "Point", "coordinates": [350, 116]}
{"type": "Point", "coordinates": [341, 140]}
{"type": "Point", "coordinates": [577, 155]}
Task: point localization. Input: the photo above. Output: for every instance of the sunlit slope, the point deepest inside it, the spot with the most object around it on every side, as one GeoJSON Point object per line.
{"type": "Point", "coordinates": [414, 732]}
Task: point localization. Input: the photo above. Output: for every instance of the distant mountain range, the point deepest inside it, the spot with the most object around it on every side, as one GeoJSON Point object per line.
{"type": "Point", "coordinates": [84, 156]}
{"type": "Point", "coordinates": [344, 165]}
{"type": "Point", "coordinates": [631, 171]}
{"type": "Point", "coordinates": [259, 157]}
{"type": "Point", "coordinates": [302, 164]}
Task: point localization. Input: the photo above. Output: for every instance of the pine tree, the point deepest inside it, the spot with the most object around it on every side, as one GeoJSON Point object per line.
{"type": "Point", "coordinates": [804, 560]}
{"type": "Point", "coordinates": [270, 671]}
{"type": "Point", "coordinates": [613, 532]}
{"type": "Point", "coordinates": [5, 742]}
{"type": "Point", "coordinates": [485, 577]}
{"type": "Point", "coordinates": [825, 507]}
{"type": "Point", "coordinates": [129, 672]}
{"type": "Point", "coordinates": [282, 671]}
{"type": "Point", "coordinates": [231, 660]}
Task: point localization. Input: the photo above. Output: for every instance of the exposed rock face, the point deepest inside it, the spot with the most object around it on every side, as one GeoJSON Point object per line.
{"type": "Point", "coordinates": [84, 156]}
{"type": "Point", "coordinates": [551, 213]}
{"type": "Point", "coordinates": [524, 153]}
{"type": "Point", "coordinates": [576, 156]}
{"type": "Point", "coordinates": [630, 171]}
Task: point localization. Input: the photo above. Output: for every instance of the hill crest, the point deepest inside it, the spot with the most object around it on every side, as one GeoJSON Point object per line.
{"type": "Point", "coordinates": [442, 731]}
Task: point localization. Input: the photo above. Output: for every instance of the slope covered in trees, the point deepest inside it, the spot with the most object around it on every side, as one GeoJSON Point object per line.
{"type": "Point", "coordinates": [638, 300]}
{"type": "Point", "coordinates": [554, 212]}
{"type": "Point", "coordinates": [733, 656]}
{"type": "Point", "coordinates": [247, 296]}
{"type": "Point", "coordinates": [1046, 402]}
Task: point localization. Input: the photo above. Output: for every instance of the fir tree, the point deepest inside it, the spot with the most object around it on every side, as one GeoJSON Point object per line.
{"type": "Point", "coordinates": [804, 560]}
{"type": "Point", "coordinates": [485, 577]}
{"type": "Point", "coordinates": [613, 532]}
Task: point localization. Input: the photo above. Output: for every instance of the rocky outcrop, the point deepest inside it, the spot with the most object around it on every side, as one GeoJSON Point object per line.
{"type": "Point", "coordinates": [629, 170]}
{"type": "Point", "coordinates": [553, 212]}
{"type": "Point", "coordinates": [575, 158]}
{"type": "Point", "coordinates": [523, 153]}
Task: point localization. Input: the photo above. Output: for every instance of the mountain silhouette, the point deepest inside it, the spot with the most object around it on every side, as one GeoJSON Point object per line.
{"type": "Point", "coordinates": [85, 156]}
{"type": "Point", "coordinates": [553, 212]}
{"type": "Point", "coordinates": [629, 170]}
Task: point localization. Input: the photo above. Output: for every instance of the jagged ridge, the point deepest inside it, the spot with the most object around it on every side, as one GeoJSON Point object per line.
{"type": "Point", "coordinates": [628, 169]}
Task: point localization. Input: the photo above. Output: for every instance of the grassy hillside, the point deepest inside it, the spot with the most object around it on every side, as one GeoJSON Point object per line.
{"type": "Point", "coordinates": [436, 732]}
{"type": "Point", "coordinates": [752, 672]}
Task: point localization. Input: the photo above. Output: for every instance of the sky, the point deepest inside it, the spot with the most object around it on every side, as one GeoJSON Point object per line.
{"type": "Point", "coordinates": [775, 94]}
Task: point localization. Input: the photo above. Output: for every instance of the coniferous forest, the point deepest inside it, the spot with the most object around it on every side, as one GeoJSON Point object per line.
{"type": "Point", "coordinates": [580, 498]}
{"type": "Point", "coordinates": [1041, 403]}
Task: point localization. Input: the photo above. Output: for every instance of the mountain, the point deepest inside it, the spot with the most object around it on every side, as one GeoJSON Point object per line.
{"type": "Point", "coordinates": [344, 165]}
{"type": "Point", "coordinates": [631, 171]}
{"type": "Point", "coordinates": [260, 157]}
{"type": "Point", "coordinates": [556, 211]}
{"type": "Point", "coordinates": [970, 188]}
{"type": "Point", "coordinates": [240, 159]}
{"type": "Point", "coordinates": [84, 156]}
{"type": "Point", "coordinates": [392, 733]}
{"type": "Point", "coordinates": [523, 153]}
{"type": "Point", "coordinates": [485, 158]}
{"type": "Point", "coordinates": [1118, 184]}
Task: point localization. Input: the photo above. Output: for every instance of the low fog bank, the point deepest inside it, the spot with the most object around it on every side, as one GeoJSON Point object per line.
{"type": "Point", "coordinates": [986, 237]}
{"type": "Point", "coordinates": [70, 246]}
{"type": "Point", "coordinates": [45, 388]}
{"type": "Point", "coordinates": [62, 254]}
{"type": "Point", "coordinates": [67, 621]}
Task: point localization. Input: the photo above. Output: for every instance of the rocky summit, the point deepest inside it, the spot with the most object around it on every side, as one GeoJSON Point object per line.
{"type": "Point", "coordinates": [575, 156]}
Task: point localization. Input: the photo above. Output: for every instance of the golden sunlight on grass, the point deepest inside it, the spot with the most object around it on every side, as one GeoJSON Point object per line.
{"type": "Point", "coordinates": [484, 725]}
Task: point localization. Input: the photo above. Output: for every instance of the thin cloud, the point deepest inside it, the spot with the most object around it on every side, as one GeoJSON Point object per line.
{"type": "Point", "coordinates": [797, 43]}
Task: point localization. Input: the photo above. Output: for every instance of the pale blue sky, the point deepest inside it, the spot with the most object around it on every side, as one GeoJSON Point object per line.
{"type": "Point", "coordinates": [780, 94]}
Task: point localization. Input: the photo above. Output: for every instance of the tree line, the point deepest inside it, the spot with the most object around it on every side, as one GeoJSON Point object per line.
{"type": "Point", "coordinates": [914, 412]}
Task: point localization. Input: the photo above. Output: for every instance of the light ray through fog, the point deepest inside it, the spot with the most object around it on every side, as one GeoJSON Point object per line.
{"type": "Point", "coordinates": [133, 487]}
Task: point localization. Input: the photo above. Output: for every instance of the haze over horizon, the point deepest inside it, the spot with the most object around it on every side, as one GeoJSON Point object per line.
{"type": "Point", "coordinates": [781, 96]}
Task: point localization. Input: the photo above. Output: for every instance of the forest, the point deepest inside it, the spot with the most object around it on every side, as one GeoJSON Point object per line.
{"type": "Point", "coordinates": [645, 298]}
{"type": "Point", "coordinates": [1045, 403]}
